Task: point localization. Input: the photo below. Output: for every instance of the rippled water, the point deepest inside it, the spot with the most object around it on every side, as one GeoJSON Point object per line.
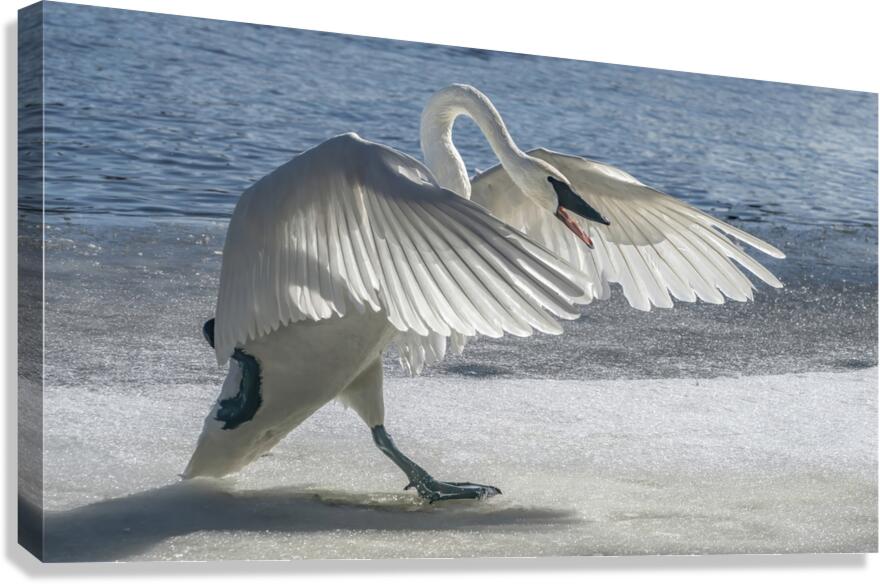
{"type": "Point", "coordinates": [152, 115]}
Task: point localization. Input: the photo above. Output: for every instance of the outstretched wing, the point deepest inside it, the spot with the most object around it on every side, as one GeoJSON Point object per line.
{"type": "Point", "coordinates": [352, 225]}
{"type": "Point", "coordinates": [655, 246]}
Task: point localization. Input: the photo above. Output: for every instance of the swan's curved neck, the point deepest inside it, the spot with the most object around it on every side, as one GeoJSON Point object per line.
{"type": "Point", "coordinates": [435, 134]}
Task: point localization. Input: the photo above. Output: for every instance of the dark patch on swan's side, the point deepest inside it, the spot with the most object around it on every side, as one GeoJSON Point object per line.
{"type": "Point", "coordinates": [243, 406]}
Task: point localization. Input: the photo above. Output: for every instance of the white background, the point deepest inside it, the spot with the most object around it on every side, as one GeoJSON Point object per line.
{"type": "Point", "coordinates": [831, 44]}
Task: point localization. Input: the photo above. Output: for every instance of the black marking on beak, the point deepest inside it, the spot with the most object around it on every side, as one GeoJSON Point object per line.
{"type": "Point", "coordinates": [570, 200]}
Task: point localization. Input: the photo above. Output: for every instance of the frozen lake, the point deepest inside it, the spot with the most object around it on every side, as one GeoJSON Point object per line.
{"type": "Point", "coordinates": [765, 464]}
{"type": "Point", "coordinates": [735, 428]}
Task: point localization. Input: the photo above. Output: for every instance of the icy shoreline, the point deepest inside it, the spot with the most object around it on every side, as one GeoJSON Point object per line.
{"type": "Point", "coordinates": [781, 463]}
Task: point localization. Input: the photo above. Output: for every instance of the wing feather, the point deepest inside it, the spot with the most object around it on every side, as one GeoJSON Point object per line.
{"type": "Point", "coordinates": [481, 259]}
{"type": "Point", "coordinates": [656, 247]}
{"type": "Point", "coordinates": [458, 278]}
{"type": "Point", "coordinates": [419, 257]}
{"type": "Point", "coordinates": [531, 300]}
{"type": "Point", "coordinates": [729, 282]}
{"type": "Point", "coordinates": [467, 277]}
{"type": "Point", "coordinates": [355, 225]}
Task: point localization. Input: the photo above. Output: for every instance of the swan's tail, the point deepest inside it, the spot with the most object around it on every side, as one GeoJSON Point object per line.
{"type": "Point", "coordinates": [221, 452]}
{"type": "Point", "coordinates": [235, 433]}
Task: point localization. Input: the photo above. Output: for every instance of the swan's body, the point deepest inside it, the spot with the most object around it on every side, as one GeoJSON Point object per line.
{"type": "Point", "coordinates": [299, 375]}
{"type": "Point", "coordinates": [352, 245]}
{"type": "Point", "coordinates": [347, 247]}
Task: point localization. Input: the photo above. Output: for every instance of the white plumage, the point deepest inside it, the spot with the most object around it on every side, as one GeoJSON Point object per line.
{"type": "Point", "coordinates": [346, 248]}
{"type": "Point", "coordinates": [352, 226]}
{"type": "Point", "coordinates": [656, 247]}
{"type": "Point", "coordinates": [352, 245]}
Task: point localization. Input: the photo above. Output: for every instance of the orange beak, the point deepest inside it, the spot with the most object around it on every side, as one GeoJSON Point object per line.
{"type": "Point", "coordinates": [573, 226]}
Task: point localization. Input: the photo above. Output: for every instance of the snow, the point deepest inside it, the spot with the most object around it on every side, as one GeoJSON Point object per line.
{"type": "Point", "coordinates": [760, 464]}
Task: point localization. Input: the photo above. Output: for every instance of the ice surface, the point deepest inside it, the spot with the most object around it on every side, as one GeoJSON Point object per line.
{"type": "Point", "coordinates": [686, 430]}
{"type": "Point", "coordinates": [754, 464]}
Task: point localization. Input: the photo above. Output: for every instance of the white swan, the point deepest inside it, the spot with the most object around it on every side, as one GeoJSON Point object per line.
{"type": "Point", "coordinates": [351, 246]}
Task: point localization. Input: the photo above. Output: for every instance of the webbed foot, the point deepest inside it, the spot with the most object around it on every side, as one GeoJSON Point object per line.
{"type": "Point", "coordinates": [429, 488]}
{"type": "Point", "coordinates": [433, 490]}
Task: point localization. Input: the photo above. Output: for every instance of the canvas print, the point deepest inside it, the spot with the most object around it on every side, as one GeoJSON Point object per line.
{"type": "Point", "coordinates": [286, 294]}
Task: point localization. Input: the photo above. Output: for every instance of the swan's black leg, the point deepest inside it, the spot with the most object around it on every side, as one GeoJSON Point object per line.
{"type": "Point", "coordinates": [428, 488]}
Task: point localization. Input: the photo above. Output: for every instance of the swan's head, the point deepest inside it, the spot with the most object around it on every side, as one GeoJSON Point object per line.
{"type": "Point", "coordinates": [552, 191]}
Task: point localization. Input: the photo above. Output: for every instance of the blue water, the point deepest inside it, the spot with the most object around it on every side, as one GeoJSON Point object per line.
{"type": "Point", "coordinates": [155, 124]}
{"type": "Point", "coordinates": [153, 115]}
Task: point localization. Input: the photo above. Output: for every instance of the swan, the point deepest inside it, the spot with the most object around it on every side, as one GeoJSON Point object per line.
{"type": "Point", "coordinates": [345, 249]}
{"type": "Point", "coordinates": [352, 246]}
